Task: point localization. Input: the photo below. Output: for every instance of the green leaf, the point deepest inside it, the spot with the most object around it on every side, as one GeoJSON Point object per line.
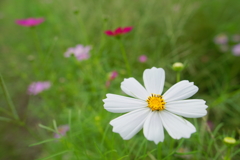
{"type": "Point", "coordinates": [54, 155]}
{"type": "Point", "coordinates": [5, 119]}
{"type": "Point", "coordinates": [38, 143]}
{"type": "Point", "coordinates": [47, 128]}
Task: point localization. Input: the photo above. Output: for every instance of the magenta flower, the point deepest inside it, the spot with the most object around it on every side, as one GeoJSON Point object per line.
{"type": "Point", "coordinates": [62, 130]}
{"type": "Point", "coordinates": [108, 83]}
{"type": "Point", "coordinates": [236, 50]}
{"type": "Point", "coordinates": [80, 52]}
{"type": "Point", "coordinates": [119, 31]}
{"type": "Point", "coordinates": [111, 77]}
{"type": "Point", "coordinates": [221, 39]}
{"type": "Point", "coordinates": [37, 87]}
{"type": "Point", "coordinates": [30, 22]}
{"type": "Point", "coordinates": [142, 58]}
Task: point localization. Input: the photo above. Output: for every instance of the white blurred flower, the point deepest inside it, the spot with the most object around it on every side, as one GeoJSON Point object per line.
{"type": "Point", "coordinates": [152, 111]}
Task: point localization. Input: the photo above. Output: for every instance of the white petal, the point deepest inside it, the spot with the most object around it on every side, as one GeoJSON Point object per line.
{"type": "Point", "coordinates": [176, 126]}
{"type": "Point", "coordinates": [153, 128]}
{"type": "Point", "coordinates": [179, 91]}
{"type": "Point", "coordinates": [193, 108]}
{"type": "Point", "coordinates": [131, 123]}
{"type": "Point", "coordinates": [120, 104]}
{"type": "Point", "coordinates": [133, 88]}
{"type": "Point", "coordinates": [154, 79]}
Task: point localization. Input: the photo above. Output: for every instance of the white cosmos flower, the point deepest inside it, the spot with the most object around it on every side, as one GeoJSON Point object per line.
{"type": "Point", "coordinates": [152, 111]}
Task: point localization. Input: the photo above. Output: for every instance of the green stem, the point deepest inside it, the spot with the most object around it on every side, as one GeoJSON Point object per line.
{"type": "Point", "coordinates": [9, 101]}
{"type": "Point", "coordinates": [172, 143]}
{"type": "Point", "coordinates": [6, 112]}
{"type": "Point", "coordinates": [36, 40]}
{"type": "Point", "coordinates": [159, 151]}
{"type": "Point", "coordinates": [46, 59]}
{"type": "Point", "coordinates": [83, 28]}
{"type": "Point", "coordinates": [38, 50]}
{"type": "Point", "coordinates": [227, 157]}
{"type": "Point", "coordinates": [178, 76]}
{"type": "Point", "coordinates": [33, 134]}
{"type": "Point", "coordinates": [125, 57]}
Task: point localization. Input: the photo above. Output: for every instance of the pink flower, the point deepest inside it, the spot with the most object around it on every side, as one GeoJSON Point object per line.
{"type": "Point", "coordinates": [62, 130]}
{"type": "Point", "coordinates": [210, 125]}
{"type": "Point", "coordinates": [37, 87]}
{"type": "Point", "coordinates": [80, 52]}
{"type": "Point", "coordinates": [119, 31]}
{"type": "Point", "coordinates": [142, 58]}
{"type": "Point", "coordinates": [108, 83]}
{"type": "Point", "coordinates": [236, 50]}
{"type": "Point", "coordinates": [221, 39]}
{"type": "Point", "coordinates": [30, 22]}
{"type": "Point", "coordinates": [111, 77]}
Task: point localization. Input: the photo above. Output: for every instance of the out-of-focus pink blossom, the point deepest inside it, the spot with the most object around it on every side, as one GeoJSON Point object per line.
{"type": "Point", "coordinates": [142, 58]}
{"type": "Point", "coordinates": [236, 50]}
{"type": "Point", "coordinates": [236, 38]}
{"type": "Point", "coordinates": [111, 77]}
{"type": "Point", "coordinates": [108, 83]}
{"type": "Point", "coordinates": [80, 52]}
{"type": "Point", "coordinates": [221, 39]}
{"type": "Point", "coordinates": [210, 125]}
{"type": "Point", "coordinates": [119, 31]}
{"type": "Point", "coordinates": [62, 130]}
{"type": "Point", "coordinates": [30, 22]}
{"type": "Point", "coordinates": [37, 87]}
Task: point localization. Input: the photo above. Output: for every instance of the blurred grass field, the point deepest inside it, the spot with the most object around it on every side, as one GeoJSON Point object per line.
{"type": "Point", "coordinates": [165, 31]}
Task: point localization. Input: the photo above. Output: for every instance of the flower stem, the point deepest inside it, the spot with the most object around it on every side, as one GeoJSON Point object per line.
{"type": "Point", "coordinates": [82, 26]}
{"type": "Point", "coordinates": [172, 148]}
{"type": "Point", "coordinates": [9, 101]}
{"type": "Point", "coordinates": [227, 156]}
{"type": "Point", "coordinates": [159, 151]}
{"type": "Point", "coordinates": [35, 37]}
{"type": "Point", "coordinates": [125, 57]}
{"type": "Point", "coordinates": [178, 76]}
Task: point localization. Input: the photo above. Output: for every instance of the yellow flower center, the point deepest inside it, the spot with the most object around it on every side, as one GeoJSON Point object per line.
{"type": "Point", "coordinates": [156, 102]}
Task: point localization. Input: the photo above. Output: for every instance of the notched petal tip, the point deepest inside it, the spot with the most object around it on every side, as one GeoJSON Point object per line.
{"type": "Point", "coordinates": [109, 33]}
{"type": "Point", "coordinates": [133, 88]}
{"type": "Point", "coordinates": [153, 128]}
{"type": "Point", "coordinates": [127, 29]}
{"type": "Point", "coordinates": [154, 79]}
{"type": "Point", "coordinates": [129, 124]}
{"type": "Point", "coordinates": [181, 90]}
{"type": "Point", "coordinates": [176, 126]}
{"type": "Point", "coordinates": [156, 142]}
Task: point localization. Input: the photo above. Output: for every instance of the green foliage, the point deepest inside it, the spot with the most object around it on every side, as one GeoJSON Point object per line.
{"type": "Point", "coordinates": [166, 31]}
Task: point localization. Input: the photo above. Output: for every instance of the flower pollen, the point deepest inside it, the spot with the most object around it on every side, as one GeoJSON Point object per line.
{"type": "Point", "coordinates": [156, 102]}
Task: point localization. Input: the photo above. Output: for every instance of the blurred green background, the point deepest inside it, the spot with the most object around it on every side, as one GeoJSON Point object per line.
{"type": "Point", "coordinates": [164, 31]}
